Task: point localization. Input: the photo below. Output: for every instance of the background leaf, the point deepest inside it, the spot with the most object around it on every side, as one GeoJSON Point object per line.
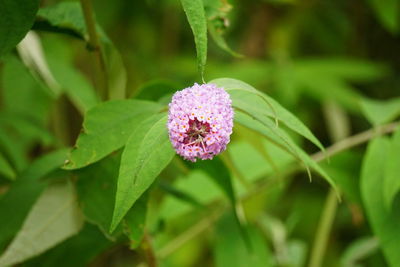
{"type": "Point", "coordinates": [379, 112]}
{"type": "Point", "coordinates": [384, 223]}
{"type": "Point", "coordinates": [54, 217]}
{"type": "Point", "coordinates": [391, 183]}
{"type": "Point", "coordinates": [15, 204]}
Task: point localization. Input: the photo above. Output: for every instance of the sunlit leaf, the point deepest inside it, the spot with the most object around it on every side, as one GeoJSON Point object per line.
{"type": "Point", "coordinates": [147, 152]}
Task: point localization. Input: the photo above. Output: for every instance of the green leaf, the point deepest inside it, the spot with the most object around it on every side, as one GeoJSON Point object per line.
{"type": "Point", "coordinates": [19, 88]}
{"type": "Point", "coordinates": [15, 204]}
{"type": "Point", "coordinates": [5, 168]}
{"type": "Point", "coordinates": [154, 90]}
{"type": "Point", "coordinates": [96, 188]}
{"type": "Point", "coordinates": [358, 251]}
{"type": "Point", "coordinates": [219, 173]}
{"type": "Point", "coordinates": [387, 13]}
{"type": "Point", "coordinates": [106, 128]}
{"type": "Point", "coordinates": [379, 112]}
{"type": "Point", "coordinates": [384, 223]}
{"type": "Point", "coordinates": [269, 130]}
{"type": "Point", "coordinates": [64, 15]}
{"type": "Point", "coordinates": [244, 96]}
{"type": "Point", "coordinates": [147, 152]}
{"type": "Point", "coordinates": [391, 183]}
{"type": "Point", "coordinates": [67, 17]}
{"type": "Point", "coordinates": [230, 250]}
{"type": "Point", "coordinates": [80, 250]}
{"type": "Point", "coordinates": [16, 19]}
{"type": "Point", "coordinates": [73, 83]}
{"type": "Point", "coordinates": [217, 15]}
{"type": "Point", "coordinates": [195, 14]}
{"type": "Point", "coordinates": [54, 217]}
{"type": "Point", "coordinates": [134, 221]}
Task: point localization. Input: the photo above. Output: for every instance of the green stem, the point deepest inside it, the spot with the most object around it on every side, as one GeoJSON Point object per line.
{"type": "Point", "coordinates": [324, 229]}
{"type": "Point", "coordinates": [339, 128]}
{"type": "Point", "coordinates": [95, 48]}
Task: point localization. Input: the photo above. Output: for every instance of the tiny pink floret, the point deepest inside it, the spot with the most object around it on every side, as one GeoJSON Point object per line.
{"type": "Point", "coordinates": [200, 121]}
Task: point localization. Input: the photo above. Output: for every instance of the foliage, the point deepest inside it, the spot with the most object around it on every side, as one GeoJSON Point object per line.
{"type": "Point", "coordinates": [88, 176]}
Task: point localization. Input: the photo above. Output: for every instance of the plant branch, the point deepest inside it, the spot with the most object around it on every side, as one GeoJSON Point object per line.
{"type": "Point", "coordinates": [95, 48]}
{"type": "Point", "coordinates": [355, 140]}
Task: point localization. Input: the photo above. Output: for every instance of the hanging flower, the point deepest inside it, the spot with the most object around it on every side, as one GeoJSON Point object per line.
{"type": "Point", "coordinates": [200, 121]}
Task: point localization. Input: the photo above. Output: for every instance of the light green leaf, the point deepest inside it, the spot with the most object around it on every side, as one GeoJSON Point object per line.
{"type": "Point", "coordinates": [384, 223]}
{"type": "Point", "coordinates": [106, 128]}
{"type": "Point", "coordinates": [147, 152]}
{"type": "Point", "coordinates": [5, 168]}
{"type": "Point", "coordinates": [391, 183]}
{"type": "Point", "coordinates": [388, 13]}
{"type": "Point", "coordinates": [16, 19]}
{"type": "Point", "coordinates": [268, 129]}
{"type": "Point", "coordinates": [358, 251]}
{"type": "Point", "coordinates": [195, 14]}
{"type": "Point", "coordinates": [75, 85]}
{"type": "Point", "coordinates": [53, 218]}
{"type": "Point", "coordinates": [230, 250]}
{"type": "Point", "coordinates": [80, 250]}
{"type": "Point", "coordinates": [245, 96]}
{"type": "Point", "coordinates": [378, 112]}
{"type": "Point", "coordinates": [15, 204]}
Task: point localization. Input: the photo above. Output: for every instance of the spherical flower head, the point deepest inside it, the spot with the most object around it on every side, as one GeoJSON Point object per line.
{"type": "Point", "coordinates": [200, 121]}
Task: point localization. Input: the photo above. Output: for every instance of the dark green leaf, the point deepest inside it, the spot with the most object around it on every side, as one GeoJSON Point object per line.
{"type": "Point", "coordinates": [96, 188]}
{"type": "Point", "coordinates": [16, 19]}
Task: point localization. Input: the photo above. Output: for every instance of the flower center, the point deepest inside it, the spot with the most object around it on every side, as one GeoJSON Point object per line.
{"type": "Point", "coordinates": [196, 133]}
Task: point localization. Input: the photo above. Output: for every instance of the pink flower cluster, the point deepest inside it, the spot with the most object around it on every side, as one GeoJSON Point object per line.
{"type": "Point", "coordinates": [200, 121]}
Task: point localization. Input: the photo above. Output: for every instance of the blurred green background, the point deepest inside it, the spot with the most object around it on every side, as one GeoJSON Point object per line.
{"type": "Point", "coordinates": [334, 64]}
